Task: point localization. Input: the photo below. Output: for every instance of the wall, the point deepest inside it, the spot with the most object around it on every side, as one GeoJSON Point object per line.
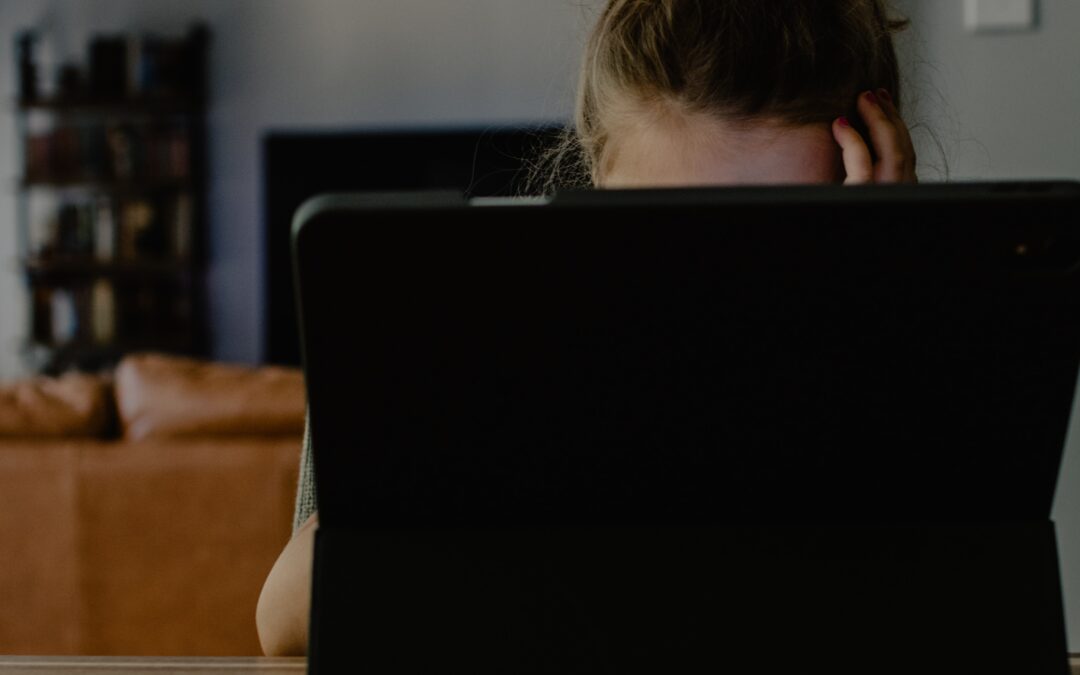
{"type": "Point", "coordinates": [1001, 106]}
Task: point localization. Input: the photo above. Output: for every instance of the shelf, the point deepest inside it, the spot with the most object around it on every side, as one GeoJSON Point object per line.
{"type": "Point", "coordinates": [165, 343]}
{"type": "Point", "coordinates": [74, 268]}
{"type": "Point", "coordinates": [171, 105]}
{"type": "Point", "coordinates": [89, 355]}
{"type": "Point", "coordinates": [104, 184]}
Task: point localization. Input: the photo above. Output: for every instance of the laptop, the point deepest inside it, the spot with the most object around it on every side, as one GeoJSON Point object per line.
{"type": "Point", "coordinates": [759, 429]}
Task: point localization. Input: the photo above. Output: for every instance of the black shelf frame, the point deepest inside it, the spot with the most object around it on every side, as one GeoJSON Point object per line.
{"type": "Point", "coordinates": [155, 106]}
{"type": "Point", "coordinates": [88, 268]}
{"type": "Point", "coordinates": [106, 185]}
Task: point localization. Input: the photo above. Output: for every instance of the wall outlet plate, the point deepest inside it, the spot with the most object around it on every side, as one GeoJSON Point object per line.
{"type": "Point", "coordinates": [999, 15]}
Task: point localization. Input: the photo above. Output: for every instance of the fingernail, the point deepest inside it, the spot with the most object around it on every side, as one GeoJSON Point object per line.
{"type": "Point", "coordinates": [873, 99]}
{"type": "Point", "coordinates": [844, 122]}
{"type": "Point", "coordinates": [884, 95]}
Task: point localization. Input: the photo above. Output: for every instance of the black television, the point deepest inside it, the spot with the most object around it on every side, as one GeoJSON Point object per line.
{"type": "Point", "coordinates": [479, 162]}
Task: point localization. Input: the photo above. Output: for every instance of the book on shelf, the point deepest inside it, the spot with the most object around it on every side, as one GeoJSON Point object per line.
{"type": "Point", "coordinates": [75, 236]}
{"type": "Point", "coordinates": [74, 314]}
{"type": "Point", "coordinates": [38, 152]}
{"type": "Point", "coordinates": [118, 68]}
{"type": "Point", "coordinates": [108, 67]}
{"type": "Point", "coordinates": [136, 223]}
{"type": "Point", "coordinates": [65, 317]}
{"type": "Point", "coordinates": [181, 229]}
{"type": "Point", "coordinates": [41, 325]}
{"type": "Point", "coordinates": [104, 230]}
{"type": "Point", "coordinates": [103, 312]}
{"type": "Point", "coordinates": [122, 158]}
{"type": "Point", "coordinates": [93, 157]}
{"type": "Point", "coordinates": [103, 152]}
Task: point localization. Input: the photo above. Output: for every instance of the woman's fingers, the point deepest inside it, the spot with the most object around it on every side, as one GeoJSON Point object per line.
{"type": "Point", "coordinates": [890, 138]}
{"type": "Point", "coordinates": [906, 144]}
{"type": "Point", "coordinates": [885, 138]}
{"type": "Point", "coordinates": [858, 164]}
{"type": "Point", "coordinates": [889, 106]}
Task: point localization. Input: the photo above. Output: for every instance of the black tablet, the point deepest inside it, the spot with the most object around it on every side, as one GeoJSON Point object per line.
{"type": "Point", "coordinates": [623, 430]}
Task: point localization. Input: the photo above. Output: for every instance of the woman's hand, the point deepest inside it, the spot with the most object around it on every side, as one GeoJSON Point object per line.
{"type": "Point", "coordinates": [888, 134]}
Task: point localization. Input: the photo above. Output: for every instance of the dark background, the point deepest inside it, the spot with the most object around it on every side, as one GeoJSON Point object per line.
{"type": "Point", "coordinates": [491, 162]}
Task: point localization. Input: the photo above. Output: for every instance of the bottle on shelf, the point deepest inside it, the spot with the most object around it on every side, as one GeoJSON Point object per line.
{"type": "Point", "coordinates": [28, 78]}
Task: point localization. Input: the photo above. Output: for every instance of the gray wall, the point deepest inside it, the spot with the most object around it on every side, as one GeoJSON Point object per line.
{"type": "Point", "coordinates": [1001, 106]}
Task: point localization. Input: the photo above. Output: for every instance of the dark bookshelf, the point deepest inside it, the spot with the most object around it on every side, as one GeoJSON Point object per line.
{"type": "Point", "coordinates": [115, 262]}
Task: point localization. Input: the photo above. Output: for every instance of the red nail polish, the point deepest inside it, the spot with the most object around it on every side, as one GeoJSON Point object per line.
{"type": "Point", "coordinates": [873, 99]}
{"type": "Point", "coordinates": [844, 122]}
{"type": "Point", "coordinates": [884, 95]}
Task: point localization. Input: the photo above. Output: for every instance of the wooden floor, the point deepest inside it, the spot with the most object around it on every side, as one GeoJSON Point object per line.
{"type": "Point", "coordinates": [79, 665]}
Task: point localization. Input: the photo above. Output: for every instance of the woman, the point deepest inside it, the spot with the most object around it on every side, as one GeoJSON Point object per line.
{"type": "Point", "coordinates": [696, 92]}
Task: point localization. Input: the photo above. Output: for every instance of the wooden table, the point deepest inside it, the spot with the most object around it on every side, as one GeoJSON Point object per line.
{"type": "Point", "coordinates": [77, 665]}
{"type": "Point", "coordinates": [101, 665]}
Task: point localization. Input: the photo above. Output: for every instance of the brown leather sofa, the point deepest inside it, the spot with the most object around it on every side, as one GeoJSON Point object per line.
{"type": "Point", "coordinates": [141, 511]}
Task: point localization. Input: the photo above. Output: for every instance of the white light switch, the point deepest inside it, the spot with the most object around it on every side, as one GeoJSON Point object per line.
{"type": "Point", "coordinates": [998, 15]}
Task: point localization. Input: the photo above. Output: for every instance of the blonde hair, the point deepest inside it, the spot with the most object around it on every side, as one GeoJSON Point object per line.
{"type": "Point", "coordinates": [790, 61]}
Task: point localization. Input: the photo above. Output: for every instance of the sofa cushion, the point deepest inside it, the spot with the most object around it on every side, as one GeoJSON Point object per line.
{"type": "Point", "coordinates": [164, 396]}
{"type": "Point", "coordinates": [74, 405]}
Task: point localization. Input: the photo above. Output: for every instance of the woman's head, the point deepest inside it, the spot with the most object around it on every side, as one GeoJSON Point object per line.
{"type": "Point", "coordinates": [727, 91]}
